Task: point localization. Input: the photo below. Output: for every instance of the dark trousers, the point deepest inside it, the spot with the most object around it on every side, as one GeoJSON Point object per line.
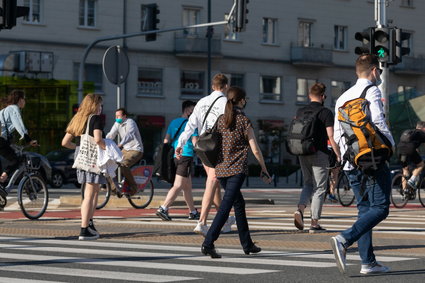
{"type": "Point", "coordinates": [232, 197]}
{"type": "Point", "coordinates": [8, 153]}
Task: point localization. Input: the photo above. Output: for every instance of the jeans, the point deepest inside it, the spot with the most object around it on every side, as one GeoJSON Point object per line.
{"type": "Point", "coordinates": [232, 197]}
{"type": "Point", "coordinates": [373, 202]}
{"type": "Point", "coordinates": [315, 176]}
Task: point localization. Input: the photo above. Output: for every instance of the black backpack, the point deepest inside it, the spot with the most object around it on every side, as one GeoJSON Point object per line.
{"type": "Point", "coordinates": [406, 136]}
{"type": "Point", "coordinates": [164, 166]}
{"type": "Point", "coordinates": [300, 140]}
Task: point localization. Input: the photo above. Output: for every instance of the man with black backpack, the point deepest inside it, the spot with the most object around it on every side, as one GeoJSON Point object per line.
{"type": "Point", "coordinates": [408, 154]}
{"type": "Point", "coordinates": [183, 180]}
{"type": "Point", "coordinates": [309, 133]}
{"type": "Point", "coordinates": [362, 135]}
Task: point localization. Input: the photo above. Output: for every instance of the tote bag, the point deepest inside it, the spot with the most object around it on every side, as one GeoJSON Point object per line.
{"type": "Point", "coordinates": [86, 159]}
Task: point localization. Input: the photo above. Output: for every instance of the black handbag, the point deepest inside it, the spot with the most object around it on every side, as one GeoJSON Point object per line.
{"type": "Point", "coordinates": [207, 147]}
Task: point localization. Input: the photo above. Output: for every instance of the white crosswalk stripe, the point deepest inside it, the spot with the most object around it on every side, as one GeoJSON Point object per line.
{"type": "Point", "coordinates": [144, 262]}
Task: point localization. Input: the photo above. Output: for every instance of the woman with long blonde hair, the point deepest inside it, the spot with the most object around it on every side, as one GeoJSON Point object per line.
{"type": "Point", "coordinates": [91, 105]}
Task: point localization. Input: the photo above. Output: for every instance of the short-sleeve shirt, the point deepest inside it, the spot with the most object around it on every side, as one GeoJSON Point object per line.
{"type": "Point", "coordinates": [325, 119]}
{"type": "Point", "coordinates": [233, 157]}
{"type": "Point", "coordinates": [96, 123]}
{"type": "Point", "coordinates": [172, 131]}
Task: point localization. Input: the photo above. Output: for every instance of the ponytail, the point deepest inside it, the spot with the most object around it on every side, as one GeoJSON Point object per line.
{"type": "Point", "coordinates": [229, 115]}
{"type": "Point", "coordinates": [234, 96]}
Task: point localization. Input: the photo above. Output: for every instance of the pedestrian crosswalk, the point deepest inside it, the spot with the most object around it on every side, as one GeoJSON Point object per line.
{"type": "Point", "coordinates": [59, 260]}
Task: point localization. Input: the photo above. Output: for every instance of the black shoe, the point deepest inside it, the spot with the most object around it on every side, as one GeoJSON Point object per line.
{"type": "Point", "coordinates": [161, 213]}
{"type": "Point", "coordinates": [210, 251]}
{"type": "Point", "coordinates": [92, 228]}
{"type": "Point", "coordinates": [316, 229]}
{"type": "Point", "coordinates": [87, 235]}
{"type": "Point", "coordinates": [252, 250]}
{"type": "Point", "coordinates": [194, 216]}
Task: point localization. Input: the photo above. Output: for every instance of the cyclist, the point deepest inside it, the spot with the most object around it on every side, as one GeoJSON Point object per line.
{"type": "Point", "coordinates": [11, 121]}
{"type": "Point", "coordinates": [408, 154]}
{"type": "Point", "coordinates": [130, 143]}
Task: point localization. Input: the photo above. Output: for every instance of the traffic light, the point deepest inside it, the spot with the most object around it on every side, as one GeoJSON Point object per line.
{"type": "Point", "coordinates": [9, 12]}
{"type": "Point", "coordinates": [382, 44]}
{"type": "Point", "coordinates": [400, 36]}
{"type": "Point", "coordinates": [150, 20]}
{"type": "Point", "coordinates": [240, 19]}
{"type": "Point", "coordinates": [365, 37]}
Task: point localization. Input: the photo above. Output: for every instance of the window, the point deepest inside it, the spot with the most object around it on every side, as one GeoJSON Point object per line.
{"type": "Point", "coordinates": [228, 30]}
{"type": "Point", "coordinates": [269, 30]}
{"type": "Point", "coordinates": [407, 3]}
{"type": "Point", "coordinates": [303, 87]}
{"type": "Point", "coordinates": [340, 40]}
{"type": "Point", "coordinates": [149, 82]}
{"type": "Point", "coordinates": [34, 15]}
{"type": "Point", "coordinates": [191, 17]}
{"type": "Point", "coordinates": [338, 88]}
{"type": "Point", "coordinates": [192, 83]}
{"type": "Point", "coordinates": [270, 88]}
{"type": "Point", "coordinates": [237, 80]}
{"type": "Point", "coordinates": [93, 73]}
{"type": "Point", "coordinates": [304, 33]}
{"type": "Point", "coordinates": [87, 14]}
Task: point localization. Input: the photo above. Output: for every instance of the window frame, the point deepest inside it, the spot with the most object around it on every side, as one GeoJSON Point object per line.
{"type": "Point", "coordinates": [31, 5]}
{"type": "Point", "coordinates": [194, 32]}
{"type": "Point", "coordinates": [86, 14]}
{"type": "Point", "coordinates": [184, 94]}
{"type": "Point", "coordinates": [308, 83]}
{"type": "Point", "coordinates": [147, 94]}
{"type": "Point", "coordinates": [229, 35]}
{"type": "Point", "coordinates": [337, 34]}
{"type": "Point", "coordinates": [302, 35]}
{"type": "Point", "coordinates": [264, 96]}
{"type": "Point", "coordinates": [266, 31]}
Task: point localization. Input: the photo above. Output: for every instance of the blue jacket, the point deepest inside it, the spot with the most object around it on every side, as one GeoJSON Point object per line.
{"type": "Point", "coordinates": [11, 118]}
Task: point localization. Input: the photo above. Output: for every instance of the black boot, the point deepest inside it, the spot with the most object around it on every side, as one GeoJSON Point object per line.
{"type": "Point", "coordinates": [210, 251]}
{"type": "Point", "coordinates": [253, 250]}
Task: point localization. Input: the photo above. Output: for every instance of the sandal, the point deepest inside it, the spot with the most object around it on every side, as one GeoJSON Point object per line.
{"type": "Point", "coordinates": [299, 219]}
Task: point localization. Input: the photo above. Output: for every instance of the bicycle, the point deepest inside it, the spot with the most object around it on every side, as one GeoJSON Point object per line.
{"type": "Point", "coordinates": [33, 196]}
{"type": "Point", "coordinates": [345, 195]}
{"type": "Point", "coordinates": [144, 195]}
{"type": "Point", "coordinates": [400, 196]}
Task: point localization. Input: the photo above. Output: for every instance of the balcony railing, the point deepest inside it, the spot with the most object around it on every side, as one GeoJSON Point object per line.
{"type": "Point", "coordinates": [410, 65]}
{"type": "Point", "coordinates": [196, 46]}
{"type": "Point", "coordinates": [312, 56]}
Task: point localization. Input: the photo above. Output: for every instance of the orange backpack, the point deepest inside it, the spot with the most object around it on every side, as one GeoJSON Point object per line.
{"type": "Point", "coordinates": [367, 147]}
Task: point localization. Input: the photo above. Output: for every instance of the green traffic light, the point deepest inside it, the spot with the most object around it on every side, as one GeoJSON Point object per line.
{"type": "Point", "coordinates": [381, 52]}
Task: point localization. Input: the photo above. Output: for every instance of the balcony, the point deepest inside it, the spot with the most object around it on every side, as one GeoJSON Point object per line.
{"type": "Point", "coordinates": [311, 56]}
{"type": "Point", "coordinates": [410, 66]}
{"type": "Point", "coordinates": [196, 46]}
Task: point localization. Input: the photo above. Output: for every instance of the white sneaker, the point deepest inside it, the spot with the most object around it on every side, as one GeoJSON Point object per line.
{"type": "Point", "coordinates": [374, 268]}
{"type": "Point", "coordinates": [339, 253]}
{"type": "Point", "coordinates": [201, 229]}
{"type": "Point", "coordinates": [227, 227]}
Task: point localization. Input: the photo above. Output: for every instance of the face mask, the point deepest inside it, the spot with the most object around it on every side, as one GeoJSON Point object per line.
{"type": "Point", "coordinates": [378, 81]}
{"type": "Point", "coordinates": [118, 120]}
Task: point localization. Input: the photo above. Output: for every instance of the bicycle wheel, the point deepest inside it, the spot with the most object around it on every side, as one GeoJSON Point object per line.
{"type": "Point", "coordinates": [33, 196]}
{"type": "Point", "coordinates": [398, 198]}
{"type": "Point", "coordinates": [421, 192]}
{"type": "Point", "coordinates": [345, 193]}
{"type": "Point", "coordinates": [103, 196]}
{"type": "Point", "coordinates": [143, 197]}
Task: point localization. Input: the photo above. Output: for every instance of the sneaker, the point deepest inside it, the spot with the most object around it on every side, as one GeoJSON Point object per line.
{"type": "Point", "coordinates": [332, 198]}
{"type": "Point", "coordinates": [412, 184]}
{"type": "Point", "coordinates": [194, 216]}
{"type": "Point", "coordinates": [227, 227]}
{"type": "Point", "coordinates": [92, 228]}
{"type": "Point", "coordinates": [375, 267]}
{"type": "Point", "coordinates": [201, 229]}
{"type": "Point", "coordinates": [87, 235]}
{"type": "Point", "coordinates": [299, 220]}
{"type": "Point", "coordinates": [316, 229]}
{"type": "Point", "coordinates": [163, 214]}
{"type": "Point", "coordinates": [339, 253]}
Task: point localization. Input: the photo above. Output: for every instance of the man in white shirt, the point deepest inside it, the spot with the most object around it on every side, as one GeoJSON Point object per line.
{"type": "Point", "coordinates": [212, 188]}
{"type": "Point", "coordinates": [130, 143]}
{"type": "Point", "coordinates": [372, 192]}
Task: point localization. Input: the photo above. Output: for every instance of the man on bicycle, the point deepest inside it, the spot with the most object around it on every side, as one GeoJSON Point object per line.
{"type": "Point", "coordinates": [408, 153]}
{"type": "Point", "coordinates": [130, 143]}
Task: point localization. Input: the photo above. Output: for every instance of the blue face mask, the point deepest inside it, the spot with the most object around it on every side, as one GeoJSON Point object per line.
{"type": "Point", "coordinates": [118, 120]}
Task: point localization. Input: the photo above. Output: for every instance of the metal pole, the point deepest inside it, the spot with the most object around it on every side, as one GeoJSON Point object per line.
{"type": "Point", "coordinates": [381, 21]}
{"type": "Point", "coordinates": [209, 35]}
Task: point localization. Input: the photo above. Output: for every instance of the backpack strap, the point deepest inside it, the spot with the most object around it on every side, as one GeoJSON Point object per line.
{"type": "Point", "coordinates": [209, 109]}
{"type": "Point", "coordinates": [363, 95]}
{"type": "Point", "coordinates": [178, 131]}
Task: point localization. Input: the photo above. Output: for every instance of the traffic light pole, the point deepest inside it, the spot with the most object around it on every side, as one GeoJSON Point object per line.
{"type": "Point", "coordinates": [123, 36]}
{"type": "Point", "coordinates": [381, 21]}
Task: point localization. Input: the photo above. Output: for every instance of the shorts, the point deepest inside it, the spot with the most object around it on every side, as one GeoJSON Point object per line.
{"type": "Point", "coordinates": [407, 159]}
{"type": "Point", "coordinates": [183, 166]}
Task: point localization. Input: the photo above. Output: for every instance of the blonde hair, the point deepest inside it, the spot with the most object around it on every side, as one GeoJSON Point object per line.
{"type": "Point", "coordinates": [89, 105]}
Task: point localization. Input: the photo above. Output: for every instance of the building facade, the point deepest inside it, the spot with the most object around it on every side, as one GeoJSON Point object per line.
{"type": "Point", "coordinates": [287, 46]}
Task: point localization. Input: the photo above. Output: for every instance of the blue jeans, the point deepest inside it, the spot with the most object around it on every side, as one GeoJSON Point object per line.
{"type": "Point", "coordinates": [232, 197]}
{"type": "Point", "coordinates": [373, 202]}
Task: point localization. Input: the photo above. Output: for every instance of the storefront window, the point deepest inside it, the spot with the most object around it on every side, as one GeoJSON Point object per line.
{"type": "Point", "coordinates": [192, 84]}
{"type": "Point", "coordinates": [149, 82]}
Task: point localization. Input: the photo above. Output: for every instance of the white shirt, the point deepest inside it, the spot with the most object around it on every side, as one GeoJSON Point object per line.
{"type": "Point", "coordinates": [129, 134]}
{"type": "Point", "coordinates": [107, 159]}
{"type": "Point", "coordinates": [376, 112]}
{"type": "Point", "coordinates": [198, 115]}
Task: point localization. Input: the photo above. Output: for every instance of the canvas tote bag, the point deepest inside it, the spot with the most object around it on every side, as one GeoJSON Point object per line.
{"type": "Point", "coordinates": [87, 155]}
